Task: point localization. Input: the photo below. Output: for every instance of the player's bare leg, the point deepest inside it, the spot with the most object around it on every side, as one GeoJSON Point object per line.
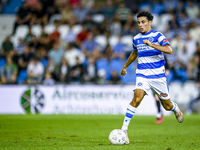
{"type": "Point", "coordinates": [138, 96]}
{"type": "Point", "coordinates": [169, 105]}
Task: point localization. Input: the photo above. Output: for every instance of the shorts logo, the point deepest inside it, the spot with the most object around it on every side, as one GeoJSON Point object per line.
{"type": "Point", "coordinates": [163, 94]}
{"type": "Point", "coordinates": [140, 84]}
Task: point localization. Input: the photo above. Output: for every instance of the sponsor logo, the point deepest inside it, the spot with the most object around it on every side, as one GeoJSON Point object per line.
{"type": "Point", "coordinates": [163, 94]}
{"type": "Point", "coordinates": [165, 40]}
{"type": "Point", "coordinates": [140, 84]}
{"type": "Point", "coordinates": [33, 100]}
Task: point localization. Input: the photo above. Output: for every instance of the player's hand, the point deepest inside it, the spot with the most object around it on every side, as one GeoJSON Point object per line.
{"type": "Point", "coordinates": [147, 42]}
{"type": "Point", "coordinates": [123, 72]}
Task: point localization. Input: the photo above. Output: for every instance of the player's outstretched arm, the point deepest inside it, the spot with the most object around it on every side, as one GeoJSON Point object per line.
{"type": "Point", "coordinates": [166, 49]}
{"type": "Point", "coordinates": [131, 58]}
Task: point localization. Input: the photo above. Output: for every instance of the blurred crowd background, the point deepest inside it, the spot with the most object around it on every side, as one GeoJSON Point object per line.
{"type": "Point", "coordinates": [88, 41]}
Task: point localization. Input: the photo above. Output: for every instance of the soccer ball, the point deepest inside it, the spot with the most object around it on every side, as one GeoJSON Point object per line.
{"type": "Point", "coordinates": [117, 137]}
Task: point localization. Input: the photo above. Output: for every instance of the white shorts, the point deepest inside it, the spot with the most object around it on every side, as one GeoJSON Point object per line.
{"type": "Point", "coordinates": [158, 86]}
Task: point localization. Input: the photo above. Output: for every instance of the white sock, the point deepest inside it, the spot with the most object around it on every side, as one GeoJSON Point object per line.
{"type": "Point", "coordinates": [159, 115]}
{"type": "Point", "coordinates": [129, 114]}
{"type": "Point", "coordinates": [174, 108]}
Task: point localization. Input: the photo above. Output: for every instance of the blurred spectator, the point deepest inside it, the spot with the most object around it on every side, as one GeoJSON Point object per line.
{"type": "Point", "coordinates": [130, 19]}
{"type": "Point", "coordinates": [44, 39]}
{"type": "Point", "coordinates": [109, 11]}
{"type": "Point", "coordinates": [183, 57]}
{"type": "Point", "coordinates": [170, 6]}
{"type": "Point", "coordinates": [192, 10]}
{"type": "Point", "coordinates": [74, 3]}
{"type": "Point", "coordinates": [180, 7]}
{"type": "Point", "coordinates": [10, 71]}
{"type": "Point", "coordinates": [116, 27]}
{"type": "Point", "coordinates": [56, 53]}
{"type": "Point", "coordinates": [198, 19]}
{"type": "Point", "coordinates": [191, 46]}
{"type": "Point", "coordinates": [72, 53]}
{"type": "Point", "coordinates": [95, 9]}
{"type": "Point", "coordinates": [19, 49]}
{"type": "Point", "coordinates": [134, 29]}
{"type": "Point", "coordinates": [34, 44]}
{"type": "Point", "coordinates": [123, 12]}
{"type": "Point", "coordinates": [158, 7]}
{"type": "Point", "coordinates": [118, 49]}
{"type": "Point", "coordinates": [126, 29]}
{"type": "Point", "coordinates": [7, 47]}
{"type": "Point", "coordinates": [184, 20]}
{"type": "Point", "coordinates": [80, 12]}
{"type": "Point", "coordinates": [90, 47]}
{"type": "Point", "coordinates": [89, 23]}
{"type": "Point", "coordinates": [197, 79]}
{"type": "Point", "coordinates": [177, 44]}
{"type": "Point", "coordinates": [173, 23]}
{"type": "Point", "coordinates": [48, 80]}
{"type": "Point", "coordinates": [54, 70]}
{"type": "Point", "coordinates": [42, 54]}
{"type": "Point", "coordinates": [115, 78]}
{"type": "Point", "coordinates": [35, 71]}
{"type": "Point", "coordinates": [91, 71]}
{"type": "Point", "coordinates": [194, 32]}
{"type": "Point", "coordinates": [29, 37]}
{"type": "Point", "coordinates": [88, 3]}
{"type": "Point", "coordinates": [50, 7]}
{"type": "Point", "coordinates": [81, 36]}
{"type": "Point", "coordinates": [23, 17]}
{"type": "Point", "coordinates": [64, 71]}
{"type": "Point", "coordinates": [39, 15]}
{"type": "Point", "coordinates": [77, 72]}
{"type": "Point", "coordinates": [32, 3]}
{"type": "Point", "coordinates": [193, 67]}
{"type": "Point", "coordinates": [55, 35]}
{"type": "Point", "coordinates": [101, 76]}
{"type": "Point", "coordinates": [70, 37]}
{"type": "Point", "coordinates": [67, 14]}
{"type": "Point", "coordinates": [25, 58]}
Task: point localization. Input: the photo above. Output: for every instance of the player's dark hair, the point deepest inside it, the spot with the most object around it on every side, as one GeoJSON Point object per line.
{"type": "Point", "coordinates": [145, 14]}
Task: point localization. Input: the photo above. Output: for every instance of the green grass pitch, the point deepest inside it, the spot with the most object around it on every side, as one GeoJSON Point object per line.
{"type": "Point", "coordinates": [90, 132]}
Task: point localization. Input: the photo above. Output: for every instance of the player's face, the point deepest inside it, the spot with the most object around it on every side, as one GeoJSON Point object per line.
{"type": "Point", "coordinates": [144, 24]}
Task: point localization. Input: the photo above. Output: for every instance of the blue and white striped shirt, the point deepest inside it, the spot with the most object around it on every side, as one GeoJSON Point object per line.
{"type": "Point", "coordinates": [151, 62]}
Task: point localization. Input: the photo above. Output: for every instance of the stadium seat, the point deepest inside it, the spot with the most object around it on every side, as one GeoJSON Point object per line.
{"type": "Point", "coordinates": [115, 64]}
{"type": "Point", "coordinates": [156, 21]}
{"type": "Point", "coordinates": [102, 64]}
{"type": "Point", "coordinates": [128, 41]}
{"type": "Point", "coordinates": [21, 31]}
{"type": "Point", "coordinates": [49, 28]}
{"type": "Point", "coordinates": [63, 29]}
{"type": "Point", "coordinates": [14, 40]}
{"type": "Point", "coordinates": [164, 19]}
{"type": "Point", "coordinates": [77, 28]}
{"type": "Point", "coordinates": [101, 40]}
{"type": "Point", "coordinates": [36, 30]}
{"type": "Point", "coordinates": [2, 61]}
{"type": "Point", "coordinates": [98, 18]}
{"type": "Point", "coordinates": [113, 40]}
{"type": "Point", "coordinates": [22, 76]}
{"type": "Point", "coordinates": [54, 17]}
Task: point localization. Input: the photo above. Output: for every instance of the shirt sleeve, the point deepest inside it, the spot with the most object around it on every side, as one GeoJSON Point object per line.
{"type": "Point", "coordinates": [134, 46]}
{"type": "Point", "coordinates": [162, 40]}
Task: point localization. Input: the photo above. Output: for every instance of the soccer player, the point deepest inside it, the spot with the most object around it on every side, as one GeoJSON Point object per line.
{"type": "Point", "coordinates": [148, 47]}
